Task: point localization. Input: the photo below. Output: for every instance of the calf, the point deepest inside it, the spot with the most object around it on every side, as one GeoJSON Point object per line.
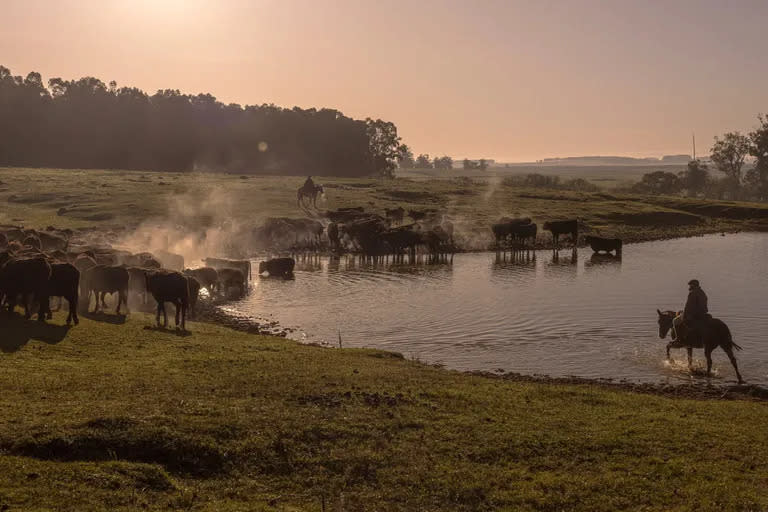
{"type": "Point", "coordinates": [64, 282]}
{"type": "Point", "coordinates": [169, 287]}
{"type": "Point", "coordinates": [103, 279]}
{"type": "Point", "coordinates": [278, 267]}
{"type": "Point", "coordinates": [599, 244]}
{"type": "Point", "coordinates": [563, 227]}
{"type": "Point", "coordinates": [208, 277]}
{"type": "Point", "coordinates": [231, 278]}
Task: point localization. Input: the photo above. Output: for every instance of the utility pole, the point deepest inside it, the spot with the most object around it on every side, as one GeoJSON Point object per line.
{"type": "Point", "coordinates": [694, 146]}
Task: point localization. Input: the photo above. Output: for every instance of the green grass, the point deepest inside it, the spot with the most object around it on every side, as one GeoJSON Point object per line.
{"type": "Point", "coordinates": [124, 417]}
{"type": "Point", "coordinates": [104, 199]}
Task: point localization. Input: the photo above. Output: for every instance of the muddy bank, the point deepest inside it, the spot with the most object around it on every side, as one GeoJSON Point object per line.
{"type": "Point", "coordinates": [702, 391]}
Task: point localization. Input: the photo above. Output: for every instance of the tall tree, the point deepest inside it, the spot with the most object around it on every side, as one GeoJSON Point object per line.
{"type": "Point", "coordinates": [444, 163]}
{"type": "Point", "coordinates": [695, 177]}
{"type": "Point", "coordinates": [383, 146]}
{"type": "Point", "coordinates": [728, 155]}
{"type": "Point", "coordinates": [757, 177]}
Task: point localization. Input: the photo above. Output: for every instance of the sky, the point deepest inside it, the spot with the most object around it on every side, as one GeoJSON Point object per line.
{"type": "Point", "coordinates": [510, 80]}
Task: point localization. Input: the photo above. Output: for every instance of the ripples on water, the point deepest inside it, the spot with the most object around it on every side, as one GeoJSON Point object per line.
{"type": "Point", "coordinates": [581, 315]}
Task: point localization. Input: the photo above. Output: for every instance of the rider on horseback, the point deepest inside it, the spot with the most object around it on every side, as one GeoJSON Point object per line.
{"type": "Point", "coordinates": [309, 184]}
{"type": "Point", "coordinates": [695, 314]}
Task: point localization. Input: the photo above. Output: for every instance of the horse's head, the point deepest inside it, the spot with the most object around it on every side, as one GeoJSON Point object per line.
{"type": "Point", "coordinates": [666, 320]}
{"type": "Point", "coordinates": [320, 189]}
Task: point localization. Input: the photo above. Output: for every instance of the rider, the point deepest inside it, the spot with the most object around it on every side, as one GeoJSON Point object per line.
{"type": "Point", "coordinates": [309, 184]}
{"type": "Point", "coordinates": [695, 314]}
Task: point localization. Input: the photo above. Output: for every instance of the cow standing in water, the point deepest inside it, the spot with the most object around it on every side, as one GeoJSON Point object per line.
{"type": "Point", "coordinates": [563, 227]}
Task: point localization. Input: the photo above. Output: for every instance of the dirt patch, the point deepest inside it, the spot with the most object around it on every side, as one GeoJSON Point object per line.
{"type": "Point", "coordinates": [124, 439]}
{"type": "Point", "coordinates": [685, 391]}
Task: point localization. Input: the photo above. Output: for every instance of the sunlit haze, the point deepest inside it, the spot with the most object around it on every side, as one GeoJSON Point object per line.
{"type": "Point", "coordinates": [514, 81]}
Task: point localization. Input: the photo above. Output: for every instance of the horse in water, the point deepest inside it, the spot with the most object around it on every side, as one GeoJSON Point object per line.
{"type": "Point", "coordinates": [310, 192]}
{"type": "Point", "coordinates": [715, 334]}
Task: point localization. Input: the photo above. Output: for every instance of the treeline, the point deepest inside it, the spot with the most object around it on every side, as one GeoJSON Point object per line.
{"type": "Point", "coordinates": [86, 123]}
{"type": "Point", "coordinates": [738, 170]}
{"type": "Point", "coordinates": [406, 160]}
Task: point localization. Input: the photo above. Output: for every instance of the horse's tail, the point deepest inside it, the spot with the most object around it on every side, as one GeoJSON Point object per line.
{"type": "Point", "coordinates": [729, 336]}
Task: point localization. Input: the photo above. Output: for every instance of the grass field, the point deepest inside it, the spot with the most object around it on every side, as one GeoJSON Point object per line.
{"type": "Point", "coordinates": [93, 198]}
{"type": "Point", "coordinates": [110, 416]}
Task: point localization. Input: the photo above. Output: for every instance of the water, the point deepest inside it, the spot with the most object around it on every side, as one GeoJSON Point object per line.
{"type": "Point", "coordinates": [587, 317]}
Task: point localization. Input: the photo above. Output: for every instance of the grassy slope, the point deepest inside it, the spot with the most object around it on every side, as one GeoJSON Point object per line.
{"type": "Point", "coordinates": [124, 198]}
{"type": "Point", "coordinates": [121, 417]}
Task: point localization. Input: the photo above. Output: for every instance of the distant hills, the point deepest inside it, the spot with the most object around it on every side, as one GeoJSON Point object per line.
{"type": "Point", "coordinates": [614, 160]}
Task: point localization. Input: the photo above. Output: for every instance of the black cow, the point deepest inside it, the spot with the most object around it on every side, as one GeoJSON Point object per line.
{"type": "Point", "coordinates": [278, 267]}
{"type": "Point", "coordinates": [563, 227]}
{"type": "Point", "coordinates": [169, 287]}
{"type": "Point", "coordinates": [64, 282]}
{"type": "Point", "coordinates": [104, 279]}
{"type": "Point", "coordinates": [208, 277]}
{"type": "Point", "coordinates": [599, 244]}
{"type": "Point", "coordinates": [25, 277]}
{"type": "Point", "coordinates": [243, 266]}
{"type": "Point", "coordinates": [231, 278]}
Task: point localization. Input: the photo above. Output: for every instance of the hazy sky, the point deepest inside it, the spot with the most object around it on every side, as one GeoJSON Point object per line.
{"type": "Point", "coordinates": [511, 80]}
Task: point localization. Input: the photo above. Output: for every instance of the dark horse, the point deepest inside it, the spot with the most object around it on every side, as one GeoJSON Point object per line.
{"type": "Point", "coordinates": [308, 192]}
{"type": "Point", "coordinates": [716, 334]}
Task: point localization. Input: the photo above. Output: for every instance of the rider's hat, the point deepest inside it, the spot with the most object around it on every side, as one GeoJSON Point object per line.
{"type": "Point", "coordinates": [693, 282]}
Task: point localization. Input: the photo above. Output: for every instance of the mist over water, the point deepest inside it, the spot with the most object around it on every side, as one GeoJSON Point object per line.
{"type": "Point", "coordinates": [592, 317]}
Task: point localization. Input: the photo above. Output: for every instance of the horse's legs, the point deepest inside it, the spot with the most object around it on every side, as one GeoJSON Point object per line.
{"type": "Point", "coordinates": [729, 351]}
{"type": "Point", "coordinates": [157, 317]}
{"type": "Point", "coordinates": [669, 357]}
{"type": "Point", "coordinates": [708, 354]}
{"type": "Point", "coordinates": [690, 357]}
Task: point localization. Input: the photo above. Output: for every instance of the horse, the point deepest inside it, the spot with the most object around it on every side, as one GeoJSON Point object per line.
{"type": "Point", "coordinates": [716, 334]}
{"type": "Point", "coordinates": [308, 192]}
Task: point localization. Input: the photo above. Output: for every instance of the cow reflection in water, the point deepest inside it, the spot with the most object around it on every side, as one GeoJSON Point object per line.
{"type": "Point", "coordinates": [308, 262]}
{"type": "Point", "coordinates": [606, 260]}
{"type": "Point", "coordinates": [565, 259]}
{"type": "Point", "coordinates": [403, 264]}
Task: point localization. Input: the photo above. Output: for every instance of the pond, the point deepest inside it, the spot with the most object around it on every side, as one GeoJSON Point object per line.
{"type": "Point", "coordinates": [564, 315]}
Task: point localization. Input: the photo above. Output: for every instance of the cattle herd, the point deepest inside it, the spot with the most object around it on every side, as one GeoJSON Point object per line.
{"type": "Point", "coordinates": [36, 266]}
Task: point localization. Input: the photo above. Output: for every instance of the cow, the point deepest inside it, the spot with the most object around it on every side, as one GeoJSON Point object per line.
{"type": "Point", "coordinates": [137, 286]}
{"type": "Point", "coordinates": [208, 277]}
{"type": "Point", "coordinates": [506, 228]}
{"type": "Point", "coordinates": [25, 277]}
{"type": "Point", "coordinates": [231, 278]}
{"type": "Point", "coordinates": [104, 279]}
{"type": "Point", "coordinates": [194, 292]}
{"type": "Point", "coordinates": [563, 227]}
{"type": "Point", "coordinates": [282, 267]}
{"type": "Point", "coordinates": [607, 245]}
{"type": "Point", "coordinates": [243, 266]}
{"type": "Point", "coordinates": [83, 262]}
{"type": "Point", "coordinates": [169, 287]}
{"type": "Point", "coordinates": [32, 241]}
{"type": "Point", "coordinates": [3, 241]}
{"type": "Point", "coordinates": [394, 215]}
{"type": "Point", "coordinates": [523, 232]}
{"type": "Point", "coordinates": [52, 242]}
{"type": "Point", "coordinates": [333, 235]}
{"type": "Point", "coordinates": [64, 282]}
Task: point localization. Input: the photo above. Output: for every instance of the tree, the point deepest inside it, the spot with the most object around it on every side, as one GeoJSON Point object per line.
{"type": "Point", "coordinates": [405, 158]}
{"type": "Point", "coordinates": [468, 165]}
{"type": "Point", "coordinates": [383, 146]}
{"type": "Point", "coordinates": [694, 178]}
{"type": "Point", "coordinates": [757, 177]}
{"type": "Point", "coordinates": [482, 165]}
{"type": "Point", "coordinates": [87, 123]}
{"type": "Point", "coordinates": [444, 163]}
{"type": "Point", "coordinates": [728, 155]}
{"type": "Point", "coordinates": [423, 162]}
{"type": "Point", "coordinates": [659, 182]}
